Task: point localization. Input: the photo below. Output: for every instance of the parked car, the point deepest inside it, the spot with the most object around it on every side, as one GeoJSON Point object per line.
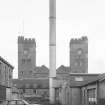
{"type": "Point", "coordinates": [18, 102]}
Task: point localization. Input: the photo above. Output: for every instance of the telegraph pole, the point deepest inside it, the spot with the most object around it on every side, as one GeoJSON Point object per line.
{"type": "Point", "coordinates": [52, 49]}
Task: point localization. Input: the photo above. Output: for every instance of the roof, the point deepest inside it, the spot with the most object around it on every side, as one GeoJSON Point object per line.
{"type": "Point", "coordinates": [75, 80]}
{"type": "Point", "coordinates": [44, 70]}
{"type": "Point", "coordinates": [41, 70]}
{"type": "Point", "coordinates": [4, 61]}
{"type": "Point", "coordinates": [100, 77]}
{"type": "Point", "coordinates": [63, 70]}
{"type": "Point", "coordinates": [3, 86]}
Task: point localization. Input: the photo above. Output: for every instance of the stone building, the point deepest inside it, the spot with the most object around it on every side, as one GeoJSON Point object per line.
{"type": "Point", "coordinates": [39, 84]}
{"type": "Point", "coordinates": [79, 55]}
{"type": "Point", "coordinates": [26, 57]}
{"type": "Point", "coordinates": [6, 70]}
{"type": "Point", "coordinates": [78, 89]}
{"type": "Point", "coordinates": [93, 92]}
{"type": "Point", "coordinates": [29, 74]}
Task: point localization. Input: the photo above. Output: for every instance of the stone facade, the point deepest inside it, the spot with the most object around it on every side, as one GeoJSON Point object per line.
{"type": "Point", "coordinates": [79, 55]}
{"type": "Point", "coordinates": [27, 70]}
{"type": "Point", "coordinates": [26, 57]}
{"type": "Point", "coordinates": [6, 71]}
{"type": "Point", "coordinates": [87, 91]}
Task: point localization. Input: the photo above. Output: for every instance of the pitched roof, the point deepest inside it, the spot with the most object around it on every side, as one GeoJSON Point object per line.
{"type": "Point", "coordinates": [63, 70]}
{"type": "Point", "coordinates": [41, 69]}
{"type": "Point", "coordinates": [101, 77]}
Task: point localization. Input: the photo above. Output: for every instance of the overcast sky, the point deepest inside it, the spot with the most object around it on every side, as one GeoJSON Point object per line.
{"type": "Point", "coordinates": [75, 18]}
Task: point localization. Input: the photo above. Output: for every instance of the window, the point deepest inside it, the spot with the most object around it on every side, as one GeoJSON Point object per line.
{"type": "Point", "coordinates": [91, 94]}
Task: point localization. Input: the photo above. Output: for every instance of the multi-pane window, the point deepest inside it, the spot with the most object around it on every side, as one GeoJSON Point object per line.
{"type": "Point", "coordinates": [91, 93]}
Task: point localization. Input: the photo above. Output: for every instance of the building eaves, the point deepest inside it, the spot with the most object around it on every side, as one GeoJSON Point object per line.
{"type": "Point", "coordinates": [99, 78]}
{"type": "Point", "coordinates": [87, 79]}
{"type": "Point", "coordinates": [83, 74]}
{"type": "Point", "coordinates": [4, 61]}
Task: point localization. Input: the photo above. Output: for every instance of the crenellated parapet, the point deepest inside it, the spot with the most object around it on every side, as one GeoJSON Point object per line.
{"type": "Point", "coordinates": [81, 40]}
{"type": "Point", "coordinates": [22, 40]}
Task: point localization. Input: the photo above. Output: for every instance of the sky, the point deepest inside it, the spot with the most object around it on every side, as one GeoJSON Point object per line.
{"type": "Point", "coordinates": [74, 18]}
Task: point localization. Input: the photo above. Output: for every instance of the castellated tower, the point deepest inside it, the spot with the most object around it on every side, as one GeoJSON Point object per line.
{"type": "Point", "coordinates": [79, 55]}
{"type": "Point", "coordinates": [26, 57]}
